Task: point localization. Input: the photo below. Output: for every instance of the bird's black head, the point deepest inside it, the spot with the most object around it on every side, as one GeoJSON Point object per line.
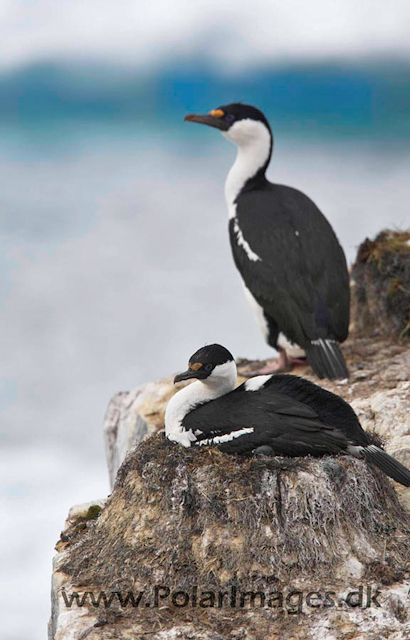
{"type": "Point", "coordinates": [207, 361]}
{"type": "Point", "coordinates": [228, 115]}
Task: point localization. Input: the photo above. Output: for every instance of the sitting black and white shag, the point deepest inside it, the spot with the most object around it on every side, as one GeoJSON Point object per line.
{"type": "Point", "coordinates": [292, 265]}
{"type": "Point", "coordinates": [273, 414]}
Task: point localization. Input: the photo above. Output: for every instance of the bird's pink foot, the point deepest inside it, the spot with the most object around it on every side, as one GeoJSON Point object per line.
{"type": "Point", "coordinates": [298, 362]}
{"type": "Point", "coordinates": [282, 365]}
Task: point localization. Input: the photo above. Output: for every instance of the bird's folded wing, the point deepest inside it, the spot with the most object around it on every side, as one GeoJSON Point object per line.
{"type": "Point", "coordinates": [299, 275]}
{"type": "Point", "coordinates": [253, 419]}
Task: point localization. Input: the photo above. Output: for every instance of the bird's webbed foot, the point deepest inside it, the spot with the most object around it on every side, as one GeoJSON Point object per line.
{"type": "Point", "coordinates": [283, 364]}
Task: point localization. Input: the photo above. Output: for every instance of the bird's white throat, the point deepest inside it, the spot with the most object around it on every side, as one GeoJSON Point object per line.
{"type": "Point", "coordinates": [221, 381]}
{"type": "Point", "coordinates": [253, 140]}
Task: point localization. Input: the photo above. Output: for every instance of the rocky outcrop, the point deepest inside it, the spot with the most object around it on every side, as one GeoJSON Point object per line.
{"type": "Point", "coordinates": [381, 286]}
{"type": "Point", "coordinates": [132, 416]}
{"type": "Point", "coordinates": [204, 540]}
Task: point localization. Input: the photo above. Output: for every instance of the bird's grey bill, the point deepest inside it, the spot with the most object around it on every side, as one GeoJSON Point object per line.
{"type": "Point", "coordinates": [187, 375]}
{"type": "Point", "coordinates": [211, 121]}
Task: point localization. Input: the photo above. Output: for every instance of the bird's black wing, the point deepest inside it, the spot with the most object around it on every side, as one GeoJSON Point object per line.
{"type": "Point", "coordinates": [329, 407]}
{"type": "Point", "coordinates": [290, 427]}
{"type": "Point", "coordinates": [292, 262]}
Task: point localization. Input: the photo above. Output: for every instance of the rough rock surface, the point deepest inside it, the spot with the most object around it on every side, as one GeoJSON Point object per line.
{"type": "Point", "coordinates": [130, 417]}
{"type": "Point", "coordinates": [381, 286]}
{"type": "Point", "coordinates": [179, 519]}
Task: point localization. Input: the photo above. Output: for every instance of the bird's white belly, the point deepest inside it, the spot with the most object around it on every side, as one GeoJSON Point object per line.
{"type": "Point", "coordinates": [291, 348]}
{"type": "Point", "coordinates": [258, 311]}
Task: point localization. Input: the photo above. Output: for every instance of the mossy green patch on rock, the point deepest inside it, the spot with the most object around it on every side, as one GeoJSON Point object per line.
{"type": "Point", "coordinates": [386, 243]}
{"type": "Point", "coordinates": [93, 512]}
{"type": "Point", "coordinates": [381, 286]}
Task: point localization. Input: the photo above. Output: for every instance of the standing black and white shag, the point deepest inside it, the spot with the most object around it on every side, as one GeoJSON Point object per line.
{"type": "Point", "coordinates": [271, 415]}
{"type": "Point", "coordinates": [293, 267]}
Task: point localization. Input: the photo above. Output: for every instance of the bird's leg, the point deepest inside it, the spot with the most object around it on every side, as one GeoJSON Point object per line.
{"type": "Point", "coordinates": [297, 361]}
{"type": "Point", "coordinates": [281, 365]}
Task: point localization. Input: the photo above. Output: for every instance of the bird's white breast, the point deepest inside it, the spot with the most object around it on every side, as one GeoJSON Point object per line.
{"type": "Point", "coordinates": [253, 140]}
{"type": "Point", "coordinates": [220, 382]}
{"type": "Point", "coordinates": [180, 404]}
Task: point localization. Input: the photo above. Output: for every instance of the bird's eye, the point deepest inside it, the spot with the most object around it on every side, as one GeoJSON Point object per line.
{"type": "Point", "coordinates": [230, 118]}
{"type": "Point", "coordinates": [209, 367]}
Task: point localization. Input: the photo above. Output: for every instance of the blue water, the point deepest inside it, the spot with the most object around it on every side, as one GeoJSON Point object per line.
{"type": "Point", "coordinates": [368, 99]}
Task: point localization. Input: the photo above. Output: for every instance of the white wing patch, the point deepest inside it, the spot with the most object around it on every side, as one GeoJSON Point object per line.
{"type": "Point", "coordinates": [243, 243]}
{"type": "Point", "coordinates": [225, 438]}
{"type": "Point", "coordinates": [254, 384]}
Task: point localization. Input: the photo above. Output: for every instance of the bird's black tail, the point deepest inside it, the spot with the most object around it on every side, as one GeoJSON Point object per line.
{"type": "Point", "coordinates": [389, 465]}
{"type": "Point", "coordinates": [326, 359]}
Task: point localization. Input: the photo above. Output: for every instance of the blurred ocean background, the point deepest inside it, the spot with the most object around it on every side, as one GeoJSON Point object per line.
{"type": "Point", "coordinates": [115, 256]}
